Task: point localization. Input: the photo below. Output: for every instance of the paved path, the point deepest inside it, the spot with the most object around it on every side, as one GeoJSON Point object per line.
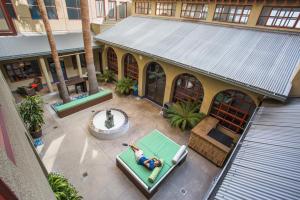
{"type": "Point", "coordinates": [70, 149]}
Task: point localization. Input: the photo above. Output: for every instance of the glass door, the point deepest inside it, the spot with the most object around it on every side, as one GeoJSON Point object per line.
{"type": "Point", "coordinates": [155, 83]}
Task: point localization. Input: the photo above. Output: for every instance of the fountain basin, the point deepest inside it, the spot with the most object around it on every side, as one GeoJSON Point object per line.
{"type": "Point", "coordinates": [97, 124]}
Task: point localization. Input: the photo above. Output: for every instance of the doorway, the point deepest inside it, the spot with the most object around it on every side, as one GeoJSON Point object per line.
{"type": "Point", "coordinates": [155, 83]}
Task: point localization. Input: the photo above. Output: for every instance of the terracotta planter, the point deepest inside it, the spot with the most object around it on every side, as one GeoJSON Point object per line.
{"type": "Point", "coordinates": [36, 134]}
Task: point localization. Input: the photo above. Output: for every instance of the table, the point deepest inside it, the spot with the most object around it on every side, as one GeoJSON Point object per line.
{"type": "Point", "coordinates": [78, 82]}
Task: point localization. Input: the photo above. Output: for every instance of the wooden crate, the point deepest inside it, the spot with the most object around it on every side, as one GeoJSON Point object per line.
{"type": "Point", "coordinates": [208, 147]}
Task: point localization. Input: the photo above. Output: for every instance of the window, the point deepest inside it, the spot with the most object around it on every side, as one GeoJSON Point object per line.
{"type": "Point", "coordinates": [233, 14]}
{"type": "Point", "coordinates": [131, 69]}
{"type": "Point", "coordinates": [6, 23]}
{"type": "Point", "coordinates": [10, 9]}
{"type": "Point", "coordinates": [123, 10]}
{"type": "Point", "coordinates": [112, 60]}
{"type": "Point", "coordinates": [112, 10]}
{"type": "Point", "coordinates": [22, 70]}
{"type": "Point", "coordinates": [280, 17]}
{"type": "Point", "coordinates": [143, 8]}
{"type": "Point", "coordinates": [50, 7]}
{"type": "Point", "coordinates": [188, 88]}
{"type": "Point", "coordinates": [194, 11]}
{"type": "Point", "coordinates": [233, 109]}
{"type": "Point", "coordinates": [73, 8]}
{"type": "Point", "coordinates": [100, 8]}
{"type": "Point", "coordinates": [165, 9]}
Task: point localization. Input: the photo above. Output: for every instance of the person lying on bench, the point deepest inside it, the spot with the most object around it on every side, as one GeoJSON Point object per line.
{"type": "Point", "coordinates": [143, 160]}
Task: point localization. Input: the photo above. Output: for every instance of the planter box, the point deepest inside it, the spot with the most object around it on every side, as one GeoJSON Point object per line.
{"type": "Point", "coordinates": [83, 103]}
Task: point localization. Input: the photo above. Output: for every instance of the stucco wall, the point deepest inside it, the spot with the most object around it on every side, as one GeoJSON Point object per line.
{"type": "Point", "coordinates": [252, 21]}
{"type": "Point", "coordinates": [26, 178]}
{"type": "Point", "coordinates": [211, 86]}
{"type": "Point", "coordinates": [295, 92]}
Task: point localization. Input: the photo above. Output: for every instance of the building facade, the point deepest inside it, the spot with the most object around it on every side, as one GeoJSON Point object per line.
{"type": "Point", "coordinates": [144, 55]}
{"type": "Point", "coordinates": [20, 20]}
{"type": "Point", "coordinates": [22, 16]}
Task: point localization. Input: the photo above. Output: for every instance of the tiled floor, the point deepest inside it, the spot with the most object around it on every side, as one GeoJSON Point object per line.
{"type": "Point", "coordinates": [71, 150]}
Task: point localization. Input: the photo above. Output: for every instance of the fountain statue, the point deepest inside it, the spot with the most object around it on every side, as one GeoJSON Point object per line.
{"type": "Point", "coordinates": [109, 122]}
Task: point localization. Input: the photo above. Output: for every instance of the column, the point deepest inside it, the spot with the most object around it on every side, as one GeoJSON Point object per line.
{"type": "Point", "coordinates": [45, 73]}
{"type": "Point", "coordinates": [79, 65]}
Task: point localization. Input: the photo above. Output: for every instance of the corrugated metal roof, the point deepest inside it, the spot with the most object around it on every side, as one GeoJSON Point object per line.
{"type": "Point", "coordinates": [262, 61]}
{"type": "Point", "coordinates": [21, 46]}
{"type": "Point", "coordinates": [267, 164]}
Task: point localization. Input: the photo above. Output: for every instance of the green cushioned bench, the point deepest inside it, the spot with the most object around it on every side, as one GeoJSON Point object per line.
{"type": "Point", "coordinates": [155, 144]}
{"type": "Point", "coordinates": [83, 103]}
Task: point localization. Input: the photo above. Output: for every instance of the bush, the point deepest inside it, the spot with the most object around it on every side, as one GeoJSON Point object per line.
{"type": "Point", "coordinates": [184, 115]}
{"type": "Point", "coordinates": [31, 111]}
{"type": "Point", "coordinates": [107, 76]}
{"type": "Point", "coordinates": [62, 189]}
{"type": "Point", "coordinates": [125, 86]}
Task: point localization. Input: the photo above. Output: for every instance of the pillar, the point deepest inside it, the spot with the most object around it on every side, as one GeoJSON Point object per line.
{"type": "Point", "coordinates": [211, 11]}
{"type": "Point", "coordinates": [79, 65]}
{"type": "Point", "coordinates": [120, 68]}
{"type": "Point", "coordinates": [45, 73]}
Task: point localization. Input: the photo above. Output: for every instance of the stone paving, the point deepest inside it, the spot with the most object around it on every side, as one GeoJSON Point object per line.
{"type": "Point", "coordinates": [89, 163]}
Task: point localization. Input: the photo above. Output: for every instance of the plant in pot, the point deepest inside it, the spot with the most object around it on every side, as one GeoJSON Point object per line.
{"type": "Point", "coordinates": [125, 86]}
{"type": "Point", "coordinates": [62, 188]}
{"type": "Point", "coordinates": [107, 76]}
{"type": "Point", "coordinates": [184, 115]}
{"type": "Point", "coordinates": [32, 114]}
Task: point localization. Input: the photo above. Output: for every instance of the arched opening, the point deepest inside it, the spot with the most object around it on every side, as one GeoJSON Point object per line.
{"type": "Point", "coordinates": [187, 88]}
{"type": "Point", "coordinates": [112, 61]}
{"type": "Point", "coordinates": [131, 69]}
{"type": "Point", "coordinates": [233, 108]}
{"type": "Point", "coordinates": [155, 83]}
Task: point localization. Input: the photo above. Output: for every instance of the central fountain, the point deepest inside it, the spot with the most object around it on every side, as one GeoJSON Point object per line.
{"type": "Point", "coordinates": [109, 124]}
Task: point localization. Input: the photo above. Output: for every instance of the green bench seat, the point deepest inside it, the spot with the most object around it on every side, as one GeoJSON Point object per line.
{"type": "Point", "coordinates": [80, 104]}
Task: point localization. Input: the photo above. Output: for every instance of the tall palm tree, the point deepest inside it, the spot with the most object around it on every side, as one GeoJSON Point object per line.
{"type": "Point", "coordinates": [63, 89]}
{"type": "Point", "coordinates": [86, 30]}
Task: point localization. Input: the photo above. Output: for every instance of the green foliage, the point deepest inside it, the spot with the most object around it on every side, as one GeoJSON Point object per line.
{"type": "Point", "coordinates": [184, 115]}
{"type": "Point", "coordinates": [31, 111]}
{"type": "Point", "coordinates": [62, 189]}
{"type": "Point", "coordinates": [125, 86]}
{"type": "Point", "coordinates": [107, 76]}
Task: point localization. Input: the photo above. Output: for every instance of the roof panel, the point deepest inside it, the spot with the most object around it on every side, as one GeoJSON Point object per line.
{"type": "Point", "coordinates": [21, 46]}
{"type": "Point", "coordinates": [257, 60]}
{"type": "Point", "coordinates": [266, 165]}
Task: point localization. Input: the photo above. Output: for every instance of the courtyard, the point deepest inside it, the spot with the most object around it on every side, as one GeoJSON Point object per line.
{"type": "Point", "coordinates": [90, 163]}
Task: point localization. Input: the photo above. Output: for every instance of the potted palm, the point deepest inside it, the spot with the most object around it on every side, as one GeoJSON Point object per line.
{"type": "Point", "coordinates": [125, 86]}
{"type": "Point", "coordinates": [184, 115]}
{"type": "Point", "coordinates": [32, 112]}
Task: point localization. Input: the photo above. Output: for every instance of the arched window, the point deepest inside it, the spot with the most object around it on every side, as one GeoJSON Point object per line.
{"type": "Point", "coordinates": [188, 88]}
{"type": "Point", "coordinates": [112, 61]}
{"type": "Point", "coordinates": [233, 109]}
{"type": "Point", "coordinates": [131, 69]}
